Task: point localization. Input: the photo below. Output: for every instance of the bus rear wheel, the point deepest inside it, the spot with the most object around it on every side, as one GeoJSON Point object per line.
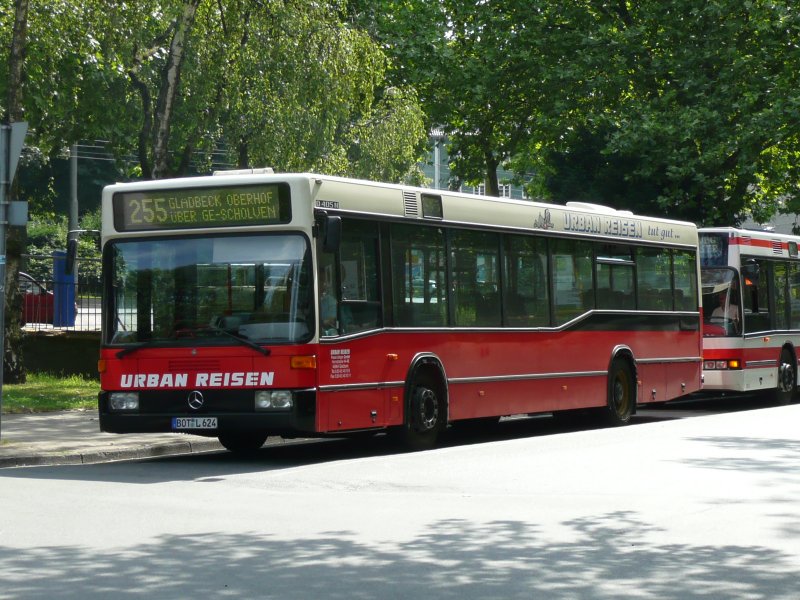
{"type": "Point", "coordinates": [621, 393]}
{"type": "Point", "coordinates": [242, 442]}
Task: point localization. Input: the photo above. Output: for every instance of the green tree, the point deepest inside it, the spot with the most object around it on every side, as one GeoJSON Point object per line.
{"type": "Point", "coordinates": [274, 83]}
{"type": "Point", "coordinates": [680, 108]}
{"type": "Point", "coordinates": [687, 109]}
{"type": "Point", "coordinates": [378, 148]}
{"type": "Point", "coordinates": [175, 82]}
{"type": "Point", "coordinates": [472, 65]}
{"type": "Point", "coordinates": [306, 91]}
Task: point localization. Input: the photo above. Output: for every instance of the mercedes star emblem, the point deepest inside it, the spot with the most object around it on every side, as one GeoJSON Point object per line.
{"type": "Point", "coordinates": [195, 400]}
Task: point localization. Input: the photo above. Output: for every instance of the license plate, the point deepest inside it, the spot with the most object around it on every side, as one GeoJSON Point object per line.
{"type": "Point", "coordinates": [179, 423]}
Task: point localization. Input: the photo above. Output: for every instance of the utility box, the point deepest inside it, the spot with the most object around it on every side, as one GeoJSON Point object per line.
{"type": "Point", "coordinates": [64, 307]}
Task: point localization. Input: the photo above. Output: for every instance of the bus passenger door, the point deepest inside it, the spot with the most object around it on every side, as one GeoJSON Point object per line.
{"type": "Point", "coordinates": [352, 361]}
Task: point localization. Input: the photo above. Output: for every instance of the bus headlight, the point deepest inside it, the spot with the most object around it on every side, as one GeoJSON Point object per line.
{"type": "Point", "coordinates": [274, 399]}
{"type": "Point", "coordinates": [123, 401]}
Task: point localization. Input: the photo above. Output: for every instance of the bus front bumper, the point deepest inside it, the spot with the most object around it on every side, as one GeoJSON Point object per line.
{"type": "Point", "coordinates": [161, 415]}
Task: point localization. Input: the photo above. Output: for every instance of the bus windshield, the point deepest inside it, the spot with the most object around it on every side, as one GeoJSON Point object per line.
{"type": "Point", "coordinates": [721, 302]}
{"type": "Point", "coordinates": [192, 290]}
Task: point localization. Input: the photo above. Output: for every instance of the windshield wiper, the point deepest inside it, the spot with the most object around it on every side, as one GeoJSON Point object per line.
{"type": "Point", "coordinates": [242, 340]}
{"type": "Point", "coordinates": [135, 347]}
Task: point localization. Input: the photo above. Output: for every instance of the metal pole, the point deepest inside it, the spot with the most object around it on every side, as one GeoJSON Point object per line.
{"type": "Point", "coordinates": [73, 181]}
{"type": "Point", "coordinates": [436, 168]}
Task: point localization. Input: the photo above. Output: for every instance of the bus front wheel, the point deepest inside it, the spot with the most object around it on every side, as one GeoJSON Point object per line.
{"type": "Point", "coordinates": [242, 442]}
{"type": "Point", "coordinates": [426, 415]}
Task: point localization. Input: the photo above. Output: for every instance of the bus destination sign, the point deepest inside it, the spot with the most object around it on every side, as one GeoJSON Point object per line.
{"type": "Point", "coordinates": [148, 210]}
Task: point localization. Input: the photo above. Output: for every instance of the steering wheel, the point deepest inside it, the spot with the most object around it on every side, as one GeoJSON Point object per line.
{"type": "Point", "coordinates": [730, 325]}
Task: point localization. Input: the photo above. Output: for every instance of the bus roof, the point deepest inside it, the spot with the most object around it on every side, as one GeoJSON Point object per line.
{"type": "Point", "coordinates": [755, 234]}
{"type": "Point", "coordinates": [399, 202]}
{"type": "Point", "coordinates": [753, 242]}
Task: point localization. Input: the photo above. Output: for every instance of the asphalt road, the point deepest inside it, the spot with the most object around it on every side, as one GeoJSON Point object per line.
{"type": "Point", "coordinates": [702, 507]}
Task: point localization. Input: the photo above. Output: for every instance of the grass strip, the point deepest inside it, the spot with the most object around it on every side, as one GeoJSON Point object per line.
{"type": "Point", "coordinates": [44, 392]}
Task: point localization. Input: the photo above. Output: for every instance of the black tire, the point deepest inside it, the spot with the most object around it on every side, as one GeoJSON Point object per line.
{"type": "Point", "coordinates": [426, 415]}
{"type": "Point", "coordinates": [621, 393]}
{"type": "Point", "coordinates": [242, 442]}
{"type": "Point", "coordinates": [787, 380]}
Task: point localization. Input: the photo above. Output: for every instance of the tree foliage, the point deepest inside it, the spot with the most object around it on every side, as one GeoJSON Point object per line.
{"type": "Point", "coordinates": [691, 106]}
{"type": "Point", "coordinates": [461, 57]}
{"type": "Point", "coordinates": [46, 234]}
{"type": "Point", "coordinates": [680, 108]}
{"type": "Point", "coordinates": [282, 83]}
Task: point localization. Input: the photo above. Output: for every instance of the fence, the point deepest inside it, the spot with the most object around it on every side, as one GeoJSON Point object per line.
{"type": "Point", "coordinates": [50, 304]}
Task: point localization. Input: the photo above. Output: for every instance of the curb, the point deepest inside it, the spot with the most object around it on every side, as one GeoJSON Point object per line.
{"type": "Point", "coordinates": [106, 454]}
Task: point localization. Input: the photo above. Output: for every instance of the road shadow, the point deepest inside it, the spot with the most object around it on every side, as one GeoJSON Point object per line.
{"type": "Point", "coordinates": [611, 555]}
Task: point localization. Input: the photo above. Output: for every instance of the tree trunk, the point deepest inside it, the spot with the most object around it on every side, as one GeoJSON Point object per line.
{"type": "Point", "coordinates": [146, 129]}
{"type": "Point", "coordinates": [492, 184]}
{"type": "Point", "coordinates": [243, 161]}
{"type": "Point", "coordinates": [16, 61]}
{"type": "Point", "coordinates": [170, 83]}
{"type": "Point", "coordinates": [13, 364]}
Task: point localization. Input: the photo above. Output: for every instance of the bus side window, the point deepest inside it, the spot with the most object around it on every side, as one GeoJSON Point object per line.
{"type": "Point", "coordinates": [756, 300]}
{"type": "Point", "coordinates": [653, 278]}
{"type": "Point", "coordinates": [350, 282]}
{"type": "Point", "coordinates": [794, 295]}
{"type": "Point", "coordinates": [573, 289]}
{"type": "Point", "coordinates": [474, 259]}
{"type": "Point", "coordinates": [685, 276]}
{"type": "Point", "coordinates": [419, 291]}
{"type": "Point", "coordinates": [614, 275]}
{"type": "Point", "coordinates": [525, 293]}
{"type": "Point", "coordinates": [780, 277]}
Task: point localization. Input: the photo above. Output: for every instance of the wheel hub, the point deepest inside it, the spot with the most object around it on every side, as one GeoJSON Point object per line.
{"type": "Point", "coordinates": [427, 409]}
{"type": "Point", "coordinates": [620, 397]}
{"type": "Point", "coordinates": [786, 377]}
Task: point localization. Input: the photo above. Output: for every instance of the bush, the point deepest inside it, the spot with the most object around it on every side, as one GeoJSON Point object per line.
{"type": "Point", "coordinates": [49, 233]}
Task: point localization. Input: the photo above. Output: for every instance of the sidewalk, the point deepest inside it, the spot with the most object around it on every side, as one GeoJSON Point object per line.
{"type": "Point", "coordinates": [74, 437]}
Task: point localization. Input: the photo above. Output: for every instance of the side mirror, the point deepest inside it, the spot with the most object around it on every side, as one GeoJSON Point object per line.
{"type": "Point", "coordinates": [751, 272]}
{"type": "Point", "coordinates": [333, 234]}
{"type": "Point", "coordinates": [329, 228]}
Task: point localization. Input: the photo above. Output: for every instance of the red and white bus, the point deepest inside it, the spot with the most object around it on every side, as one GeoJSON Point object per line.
{"type": "Point", "coordinates": [248, 305]}
{"type": "Point", "coordinates": [751, 307]}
